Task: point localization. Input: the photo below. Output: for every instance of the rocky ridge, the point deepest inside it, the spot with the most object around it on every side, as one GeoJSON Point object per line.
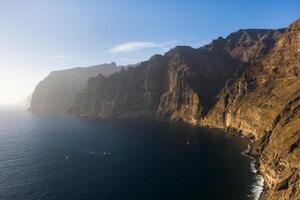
{"type": "Point", "coordinates": [56, 93]}
{"type": "Point", "coordinates": [264, 103]}
{"type": "Point", "coordinates": [181, 85]}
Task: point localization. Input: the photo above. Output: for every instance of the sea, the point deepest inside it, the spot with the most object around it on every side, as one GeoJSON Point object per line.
{"type": "Point", "coordinates": [49, 157]}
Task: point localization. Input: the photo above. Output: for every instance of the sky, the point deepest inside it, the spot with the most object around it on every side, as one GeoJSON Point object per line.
{"type": "Point", "coordinates": [39, 36]}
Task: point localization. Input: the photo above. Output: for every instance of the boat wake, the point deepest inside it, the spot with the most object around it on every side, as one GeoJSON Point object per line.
{"type": "Point", "coordinates": [94, 153]}
{"type": "Point", "coordinates": [84, 151]}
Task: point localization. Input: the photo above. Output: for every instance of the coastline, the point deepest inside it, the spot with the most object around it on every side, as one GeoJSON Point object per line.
{"type": "Point", "coordinates": [258, 186]}
{"type": "Point", "coordinates": [258, 189]}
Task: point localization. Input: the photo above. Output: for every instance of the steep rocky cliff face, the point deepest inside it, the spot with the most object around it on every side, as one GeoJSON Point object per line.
{"type": "Point", "coordinates": [56, 93]}
{"type": "Point", "coordinates": [131, 92]}
{"type": "Point", "coordinates": [167, 87]}
{"type": "Point", "coordinates": [194, 77]}
{"type": "Point", "coordinates": [265, 103]}
{"type": "Point", "coordinates": [249, 45]}
{"type": "Point", "coordinates": [181, 85]}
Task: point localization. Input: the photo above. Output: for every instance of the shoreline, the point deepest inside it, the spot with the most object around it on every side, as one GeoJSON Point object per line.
{"type": "Point", "coordinates": [258, 187]}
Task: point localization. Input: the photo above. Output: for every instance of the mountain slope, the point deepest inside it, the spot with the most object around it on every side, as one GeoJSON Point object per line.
{"type": "Point", "coordinates": [271, 89]}
{"type": "Point", "coordinates": [181, 85]}
{"type": "Point", "coordinates": [147, 90]}
{"type": "Point", "coordinates": [56, 93]}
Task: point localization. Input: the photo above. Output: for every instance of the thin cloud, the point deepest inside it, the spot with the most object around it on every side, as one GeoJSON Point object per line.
{"type": "Point", "coordinates": [133, 46]}
{"type": "Point", "coordinates": [163, 46]}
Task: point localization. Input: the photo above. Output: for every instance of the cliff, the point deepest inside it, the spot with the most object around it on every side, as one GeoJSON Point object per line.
{"type": "Point", "coordinates": [56, 93]}
{"type": "Point", "coordinates": [181, 85]}
{"type": "Point", "coordinates": [265, 103]}
{"type": "Point", "coordinates": [161, 87]}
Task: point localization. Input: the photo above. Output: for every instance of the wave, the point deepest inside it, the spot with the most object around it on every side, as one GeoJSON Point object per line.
{"type": "Point", "coordinates": [258, 186]}
{"type": "Point", "coordinates": [247, 150]}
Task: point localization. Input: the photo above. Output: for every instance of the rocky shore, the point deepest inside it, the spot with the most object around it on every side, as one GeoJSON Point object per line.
{"type": "Point", "coordinates": [264, 104]}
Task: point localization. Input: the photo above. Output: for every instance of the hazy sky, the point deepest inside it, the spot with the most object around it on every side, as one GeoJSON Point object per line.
{"type": "Point", "coordinates": [39, 36]}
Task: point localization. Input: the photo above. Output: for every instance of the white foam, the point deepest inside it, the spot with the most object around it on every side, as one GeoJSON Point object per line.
{"type": "Point", "coordinates": [252, 166]}
{"type": "Point", "coordinates": [247, 150]}
{"type": "Point", "coordinates": [258, 187]}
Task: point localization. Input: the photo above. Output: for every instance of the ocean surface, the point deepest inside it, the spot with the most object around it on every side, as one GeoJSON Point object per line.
{"type": "Point", "coordinates": [68, 158]}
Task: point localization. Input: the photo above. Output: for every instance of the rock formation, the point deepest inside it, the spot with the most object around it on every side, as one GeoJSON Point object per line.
{"type": "Point", "coordinates": [265, 103]}
{"type": "Point", "coordinates": [164, 86]}
{"type": "Point", "coordinates": [181, 85]}
{"type": "Point", "coordinates": [56, 93]}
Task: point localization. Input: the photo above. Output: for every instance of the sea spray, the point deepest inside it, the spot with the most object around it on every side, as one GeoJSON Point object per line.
{"type": "Point", "coordinates": [258, 186]}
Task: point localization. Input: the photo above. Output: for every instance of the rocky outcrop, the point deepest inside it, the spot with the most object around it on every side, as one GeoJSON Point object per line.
{"type": "Point", "coordinates": [56, 93]}
{"type": "Point", "coordinates": [265, 103]}
{"type": "Point", "coordinates": [249, 45]}
{"type": "Point", "coordinates": [127, 93]}
{"type": "Point", "coordinates": [194, 77]}
{"type": "Point", "coordinates": [181, 85]}
{"type": "Point", "coordinates": [165, 87]}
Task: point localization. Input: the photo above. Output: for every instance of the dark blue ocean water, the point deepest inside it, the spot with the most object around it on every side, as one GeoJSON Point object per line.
{"type": "Point", "coordinates": [51, 157]}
